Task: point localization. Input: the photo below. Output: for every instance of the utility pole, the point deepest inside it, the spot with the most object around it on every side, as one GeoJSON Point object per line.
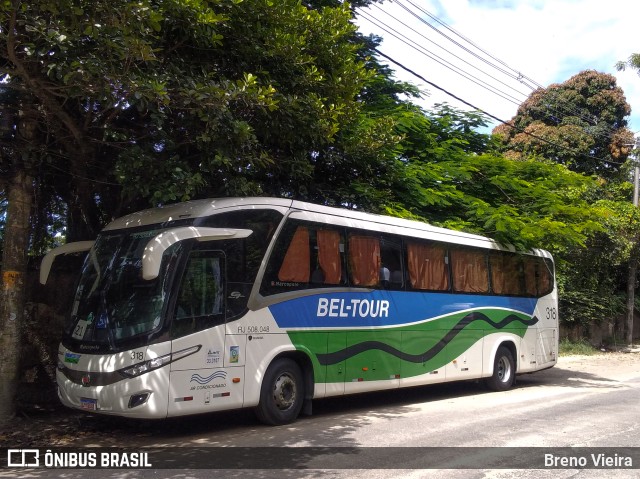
{"type": "Point", "coordinates": [633, 262]}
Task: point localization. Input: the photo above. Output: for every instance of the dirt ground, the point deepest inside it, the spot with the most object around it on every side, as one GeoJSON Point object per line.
{"type": "Point", "coordinates": [610, 365]}
{"type": "Point", "coordinates": [51, 425]}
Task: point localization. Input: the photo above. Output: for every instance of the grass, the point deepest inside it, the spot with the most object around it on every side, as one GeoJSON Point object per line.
{"type": "Point", "coordinates": [580, 347]}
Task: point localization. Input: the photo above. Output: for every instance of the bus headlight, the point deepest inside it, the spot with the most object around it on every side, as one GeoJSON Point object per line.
{"type": "Point", "coordinates": [137, 370]}
{"type": "Point", "coordinates": [155, 363]}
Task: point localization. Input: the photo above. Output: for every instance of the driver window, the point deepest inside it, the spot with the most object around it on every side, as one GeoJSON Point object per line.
{"type": "Point", "coordinates": [200, 302]}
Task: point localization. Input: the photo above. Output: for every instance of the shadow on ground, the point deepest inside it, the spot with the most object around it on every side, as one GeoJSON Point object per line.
{"type": "Point", "coordinates": [48, 424]}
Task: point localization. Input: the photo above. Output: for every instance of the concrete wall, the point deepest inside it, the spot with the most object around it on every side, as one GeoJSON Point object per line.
{"type": "Point", "coordinates": [609, 332]}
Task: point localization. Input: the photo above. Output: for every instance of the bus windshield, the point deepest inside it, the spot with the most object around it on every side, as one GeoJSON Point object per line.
{"type": "Point", "coordinates": [113, 302]}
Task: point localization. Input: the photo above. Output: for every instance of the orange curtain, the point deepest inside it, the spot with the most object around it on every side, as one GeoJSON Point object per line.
{"type": "Point", "coordinates": [505, 274]}
{"type": "Point", "coordinates": [364, 259]}
{"type": "Point", "coordinates": [329, 255]}
{"type": "Point", "coordinates": [469, 270]}
{"type": "Point", "coordinates": [296, 266]}
{"type": "Point", "coordinates": [427, 267]}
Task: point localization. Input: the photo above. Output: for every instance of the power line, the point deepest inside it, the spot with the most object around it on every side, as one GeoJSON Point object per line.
{"type": "Point", "coordinates": [568, 109]}
{"type": "Point", "coordinates": [561, 111]}
{"type": "Point", "coordinates": [451, 53]}
{"type": "Point", "coordinates": [440, 60]}
{"type": "Point", "coordinates": [521, 130]}
{"type": "Point", "coordinates": [517, 74]}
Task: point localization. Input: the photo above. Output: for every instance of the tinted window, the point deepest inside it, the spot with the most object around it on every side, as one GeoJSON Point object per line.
{"type": "Point", "coordinates": [391, 265]}
{"type": "Point", "coordinates": [200, 299]}
{"type": "Point", "coordinates": [538, 276]}
{"type": "Point", "coordinates": [469, 271]}
{"type": "Point", "coordinates": [428, 267]}
{"type": "Point", "coordinates": [364, 260]}
{"type": "Point", "coordinates": [507, 274]}
{"type": "Point", "coordinates": [244, 256]}
{"type": "Point", "coordinates": [306, 255]}
{"type": "Point", "coordinates": [244, 265]}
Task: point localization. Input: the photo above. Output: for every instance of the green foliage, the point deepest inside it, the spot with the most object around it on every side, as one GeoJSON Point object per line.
{"type": "Point", "coordinates": [449, 181]}
{"type": "Point", "coordinates": [576, 348]}
{"type": "Point", "coordinates": [632, 62]}
{"type": "Point", "coordinates": [164, 100]}
{"type": "Point", "coordinates": [588, 224]}
{"type": "Point", "coordinates": [590, 306]}
{"type": "Point", "coordinates": [581, 124]}
{"type": "Point", "coordinates": [592, 279]}
{"type": "Point", "coordinates": [156, 101]}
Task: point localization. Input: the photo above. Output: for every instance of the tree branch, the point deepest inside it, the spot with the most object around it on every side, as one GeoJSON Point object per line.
{"type": "Point", "coordinates": [37, 89]}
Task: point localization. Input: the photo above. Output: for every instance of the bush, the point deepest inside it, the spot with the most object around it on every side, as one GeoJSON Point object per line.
{"type": "Point", "coordinates": [580, 347]}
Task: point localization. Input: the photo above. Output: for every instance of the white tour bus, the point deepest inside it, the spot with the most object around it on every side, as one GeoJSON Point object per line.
{"type": "Point", "coordinates": [270, 303]}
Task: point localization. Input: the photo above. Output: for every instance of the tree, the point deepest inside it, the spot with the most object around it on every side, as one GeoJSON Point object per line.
{"type": "Point", "coordinates": [594, 278]}
{"type": "Point", "coordinates": [633, 62]}
{"type": "Point", "coordinates": [580, 123]}
{"type": "Point", "coordinates": [311, 139]}
{"type": "Point", "coordinates": [111, 106]}
{"type": "Point", "coordinates": [62, 78]}
{"type": "Point", "coordinates": [360, 168]}
{"type": "Point", "coordinates": [153, 101]}
{"type": "Point", "coordinates": [18, 184]}
{"type": "Point", "coordinates": [451, 180]}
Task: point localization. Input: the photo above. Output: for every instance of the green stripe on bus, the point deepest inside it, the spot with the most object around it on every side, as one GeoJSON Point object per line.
{"type": "Point", "coordinates": [407, 351]}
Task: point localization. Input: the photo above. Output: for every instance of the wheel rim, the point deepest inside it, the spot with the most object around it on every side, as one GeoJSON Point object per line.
{"type": "Point", "coordinates": [285, 392]}
{"type": "Point", "coordinates": [504, 369]}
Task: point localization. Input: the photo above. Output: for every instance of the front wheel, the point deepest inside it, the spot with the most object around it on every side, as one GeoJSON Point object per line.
{"type": "Point", "coordinates": [281, 394]}
{"type": "Point", "coordinates": [504, 371]}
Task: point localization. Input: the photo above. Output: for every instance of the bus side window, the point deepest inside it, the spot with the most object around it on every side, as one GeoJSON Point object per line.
{"type": "Point", "coordinates": [469, 270]}
{"type": "Point", "coordinates": [375, 261]}
{"type": "Point", "coordinates": [306, 255]}
{"type": "Point", "coordinates": [200, 301]}
{"type": "Point", "coordinates": [329, 257]}
{"type": "Point", "coordinates": [295, 267]}
{"type": "Point", "coordinates": [545, 276]}
{"type": "Point", "coordinates": [391, 268]}
{"type": "Point", "coordinates": [506, 274]}
{"type": "Point", "coordinates": [428, 266]}
{"type": "Point", "coordinates": [538, 275]}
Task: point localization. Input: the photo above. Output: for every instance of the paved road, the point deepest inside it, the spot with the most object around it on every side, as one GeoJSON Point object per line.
{"type": "Point", "coordinates": [582, 403]}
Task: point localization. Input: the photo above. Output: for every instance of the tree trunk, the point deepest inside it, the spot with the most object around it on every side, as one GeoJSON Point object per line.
{"type": "Point", "coordinates": [83, 222]}
{"type": "Point", "coordinates": [631, 287]}
{"type": "Point", "coordinates": [12, 296]}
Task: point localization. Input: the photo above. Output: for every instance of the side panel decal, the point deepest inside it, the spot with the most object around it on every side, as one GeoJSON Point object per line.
{"type": "Point", "coordinates": [335, 357]}
{"type": "Point", "coordinates": [384, 308]}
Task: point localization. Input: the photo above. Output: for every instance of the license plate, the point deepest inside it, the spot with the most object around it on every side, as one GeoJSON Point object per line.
{"type": "Point", "coordinates": [89, 404]}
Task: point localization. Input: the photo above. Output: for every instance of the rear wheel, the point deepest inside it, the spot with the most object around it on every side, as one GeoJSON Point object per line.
{"type": "Point", "coordinates": [504, 371]}
{"type": "Point", "coordinates": [282, 393]}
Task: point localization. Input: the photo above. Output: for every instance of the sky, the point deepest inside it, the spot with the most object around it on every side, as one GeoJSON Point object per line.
{"type": "Point", "coordinates": [508, 46]}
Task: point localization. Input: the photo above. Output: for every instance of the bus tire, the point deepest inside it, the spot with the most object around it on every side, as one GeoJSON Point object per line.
{"type": "Point", "coordinates": [504, 371]}
{"type": "Point", "coordinates": [281, 394]}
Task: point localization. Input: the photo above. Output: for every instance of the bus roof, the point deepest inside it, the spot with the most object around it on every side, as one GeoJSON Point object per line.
{"type": "Point", "coordinates": [302, 210]}
{"type": "Point", "coordinates": [194, 209]}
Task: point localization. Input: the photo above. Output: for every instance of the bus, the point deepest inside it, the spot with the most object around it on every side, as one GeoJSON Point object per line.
{"type": "Point", "coordinates": [270, 303]}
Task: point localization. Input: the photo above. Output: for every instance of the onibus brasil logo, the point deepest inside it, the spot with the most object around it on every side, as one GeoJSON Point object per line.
{"type": "Point", "coordinates": [34, 458]}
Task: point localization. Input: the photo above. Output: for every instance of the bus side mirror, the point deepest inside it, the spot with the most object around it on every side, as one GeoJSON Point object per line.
{"type": "Point", "coordinates": [49, 258]}
{"type": "Point", "coordinates": [152, 255]}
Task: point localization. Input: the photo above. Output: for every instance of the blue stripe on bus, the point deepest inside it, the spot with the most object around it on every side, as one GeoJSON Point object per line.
{"type": "Point", "coordinates": [384, 308]}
